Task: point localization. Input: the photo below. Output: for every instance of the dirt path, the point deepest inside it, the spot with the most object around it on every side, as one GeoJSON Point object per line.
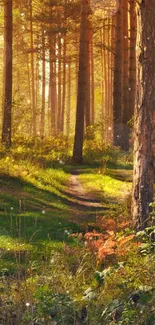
{"type": "Point", "coordinates": [85, 206]}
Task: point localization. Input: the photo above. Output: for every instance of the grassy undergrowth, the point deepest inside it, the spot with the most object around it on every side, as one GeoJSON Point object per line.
{"type": "Point", "coordinates": [53, 269]}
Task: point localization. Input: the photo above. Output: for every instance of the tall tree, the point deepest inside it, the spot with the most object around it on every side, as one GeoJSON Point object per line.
{"type": "Point", "coordinates": [34, 123]}
{"type": "Point", "coordinates": [82, 80]}
{"type": "Point", "coordinates": [7, 109]}
{"type": "Point", "coordinates": [132, 58]}
{"type": "Point", "coordinates": [42, 122]}
{"type": "Point", "coordinates": [125, 90]}
{"type": "Point", "coordinates": [118, 75]}
{"type": "Point", "coordinates": [145, 118]}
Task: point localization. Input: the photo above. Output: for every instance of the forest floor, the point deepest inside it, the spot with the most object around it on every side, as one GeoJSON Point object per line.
{"type": "Point", "coordinates": [64, 236]}
{"type": "Point", "coordinates": [39, 205]}
{"type": "Point", "coordinates": [86, 204]}
{"type": "Point", "coordinates": [41, 209]}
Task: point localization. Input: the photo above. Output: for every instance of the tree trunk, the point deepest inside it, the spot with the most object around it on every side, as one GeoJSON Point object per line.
{"type": "Point", "coordinates": [132, 58]}
{"type": "Point", "coordinates": [59, 85]}
{"type": "Point", "coordinates": [32, 74]}
{"type": "Point", "coordinates": [87, 104]}
{"type": "Point", "coordinates": [42, 122]}
{"type": "Point", "coordinates": [81, 98]}
{"type": "Point", "coordinates": [92, 79]}
{"type": "Point", "coordinates": [64, 84]}
{"type": "Point", "coordinates": [117, 103]}
{"type": "Point", "coordinates": [125, 96]}
{"type": "Point", "coordinates": [7, 110]}
{"type": "Point", "coordinates": [144, 121]}
{"type": "Point", "coordinates": [69, 98]}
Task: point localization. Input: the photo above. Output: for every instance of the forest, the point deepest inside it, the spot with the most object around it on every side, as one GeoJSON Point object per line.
{"type": "Point", "coordinates": [77, 162]}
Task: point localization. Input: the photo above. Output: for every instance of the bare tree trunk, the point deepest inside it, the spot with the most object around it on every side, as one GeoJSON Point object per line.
{"type": "Point", "coordinates": [69, 98]}
{"type": "Point", "coordinates": [42, 122]}
{"type": "Point", "coordinates": [32, 74]}
{"type": "Point", "coordinates": [117, 105]}
{"type": "Point", "coordinates": [144, 122]}
{"type": "Point", "coordinates": [105, 82]}
{"type": "Point", "coordinates": [59, 85]}
{"type": "Point", "coordinates": [92, 79]}
{"type": "Point", "coordinates": [30, 93]}
{"type": "Point", "coordinates": [7, 110]}
{"type": "Point", "coordinates": [81, 98]}
{"type": "Point", "coordinates": [87, 104]}
{"type": "Point", "coordinates": [102, 86]}
{"type": "Point", "coordinates": [132, 59]}
{"type": "Point", "coordinates": [64, 84]}
{"type": "Point", "coordinates": [126, 112]}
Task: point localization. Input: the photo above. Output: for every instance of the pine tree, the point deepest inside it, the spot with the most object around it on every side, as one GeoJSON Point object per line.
{"type": "Point", "coordinates": [7, 110]}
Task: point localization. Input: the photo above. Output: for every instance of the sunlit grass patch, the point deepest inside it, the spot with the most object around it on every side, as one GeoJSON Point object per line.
{"type": "Point", "coordinates": [107, 186]}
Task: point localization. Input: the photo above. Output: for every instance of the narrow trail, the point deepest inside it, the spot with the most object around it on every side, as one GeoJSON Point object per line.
{"type": "Point", "coordinates": [84, 206]}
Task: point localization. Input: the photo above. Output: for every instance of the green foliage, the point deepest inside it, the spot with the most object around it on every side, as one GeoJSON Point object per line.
{"type": "Point", "coordinates": [47, 272]}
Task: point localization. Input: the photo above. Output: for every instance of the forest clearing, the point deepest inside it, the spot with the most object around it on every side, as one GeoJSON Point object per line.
{"type": "Point", "coordinates": [77, 162]}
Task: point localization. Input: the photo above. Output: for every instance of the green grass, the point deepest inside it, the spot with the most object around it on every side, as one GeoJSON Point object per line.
{"type": "Point", "coordinates": [106, 186]}
{"type": "Point", "coordinates": [42, 270]}
{"type": "Point", "coordinates": [34, 210]}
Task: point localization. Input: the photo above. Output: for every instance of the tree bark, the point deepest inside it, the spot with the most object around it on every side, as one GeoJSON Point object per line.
{"type": "Point", "coordinates": [132, 58]}
{"type": "Point", "coordinates": [81, 97]}
{"type": "Point", "coordinates": [92, 79]}
{"type": "Point", "coordinates": [87, 104]}
{"type": "Point", "coordinates": [125, 91]}
{"type": "Point", "coordinates": [7, 109]}
{"type": "Point", "coordinates": [64, 84]}
{"type": "Point", "coordinates": [32, 75]}
{"type": "Point", "coordinates": [42, 122]}
{"type": "Point", "coordinates": [68, 99]}
{"type": "Point", "coordinates": [144, 121]}
{"type": "Point", "coordinates": [117, 101]}
{"type": "Point", "coordinates": [59, 80]}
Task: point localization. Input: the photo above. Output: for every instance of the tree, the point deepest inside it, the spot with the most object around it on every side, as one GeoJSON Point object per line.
{"type": "Point", "coordinates": [125, 91]}
{"type": "Point", "coordinates": [7, 109]}
{"type": "Point", "coordinates": [34, 122]}
{"type": "Point", "coordinates": [145, 118]}
{"type": "Point", "coordinates": [118, 76]}
{"type": "Point", "coordinates": [132, 58]}
{"type": "Point", "coordinates": [81, 96]}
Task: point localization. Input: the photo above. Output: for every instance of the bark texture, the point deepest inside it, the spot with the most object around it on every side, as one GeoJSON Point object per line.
{"type": "Point", "coordinates": [132, 58]}
{"type": "Point", "coordinates": [118, 75]}
{"type": "Point", "coordinates": [7, 109]}
{"type": "Point", "coordinates": [144, 122]}
{"type": "Point", "coordinates": [81, 96]}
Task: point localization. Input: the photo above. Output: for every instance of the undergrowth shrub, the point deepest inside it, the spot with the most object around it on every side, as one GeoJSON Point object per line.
{"type": "Point", "coordinates": [41, 151]}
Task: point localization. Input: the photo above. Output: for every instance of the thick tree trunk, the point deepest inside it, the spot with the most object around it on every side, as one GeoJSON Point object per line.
{"type": "Point", "coordinates": [144, 122]}
{"type": "Point", "coordinates": [7, 110]}
{"type": "Point", "coordinates": [81, 98]}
